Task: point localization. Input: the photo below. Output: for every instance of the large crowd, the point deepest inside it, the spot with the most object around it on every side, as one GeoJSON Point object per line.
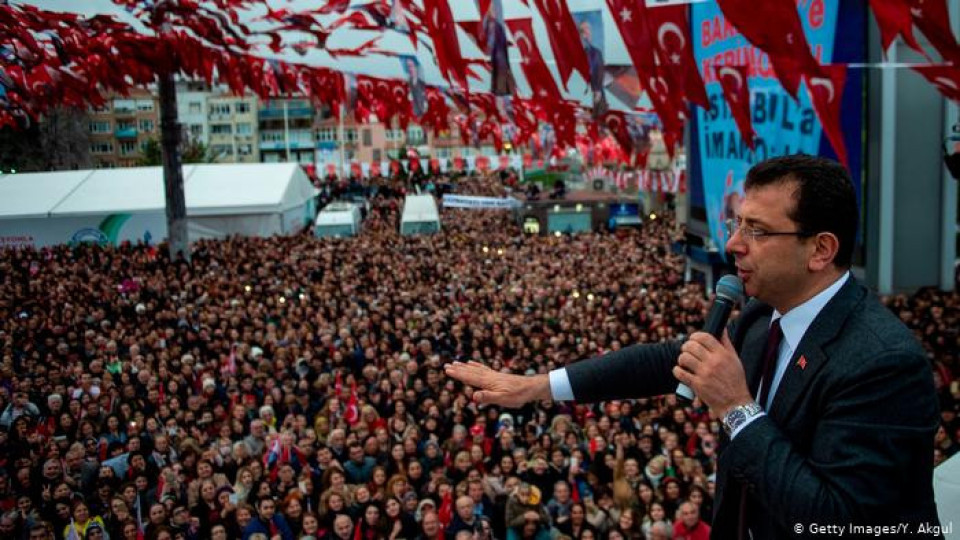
{"type": "Point", "coordinates": [292, 388]}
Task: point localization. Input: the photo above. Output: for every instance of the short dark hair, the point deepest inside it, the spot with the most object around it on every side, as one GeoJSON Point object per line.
{"type": "Point", "coordinates": [825, 198]}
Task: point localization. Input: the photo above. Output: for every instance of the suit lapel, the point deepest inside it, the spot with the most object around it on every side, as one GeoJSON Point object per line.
{"type": "Point", "coordinates": [809, 357]}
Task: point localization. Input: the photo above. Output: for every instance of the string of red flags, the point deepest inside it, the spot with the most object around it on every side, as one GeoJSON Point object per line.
{"type": "Point", "coordinates": [66, 58]}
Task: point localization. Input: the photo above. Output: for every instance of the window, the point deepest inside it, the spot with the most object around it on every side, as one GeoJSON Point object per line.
{"type": "Point", "coordinates": [220, 108]}
{"type": "Point", "coordinates": [196, 130]}
{"type": "Point", "coordinates": [394, 135]}
{"type": "Point", "coordinates": [377, 154]}
{"type": "Point", "coordinates": [244, 149]}
{"type": "Point", "coordinates": [105, 108]}
{"type": "Point", "coordinates": [123, 125]}
{"type": "Point", "coordinates": [222, 150]}
{"type": "Point", "coordinates": [367, 137]}
{"type": "Point", "coordinates": [327, 134]}
{"type": "Point", "coordinates": [146, 125]}
{"type": "Point", "coordinates": [99, 127]}
{"type": "Point", "coordinates": [243, 107]}
{"type": "Point", "coordinates": [145, 105]}
{"type": "Point", "coordinates": [144, 144]}
{"type": "Point", "coordinates": [124, 105]}
{"type": "Point", "coordinates": [271, 136]}
{"type": "Point", "coordinates": [196, 107]}
{"type": "Point", "coordinates": [350, 135]}
{"type": "Point", "coordinates": [244, 128]}
{"type": "Point", "coordinates": [105, 147]}
{"type": "Point", "coordinates": [415, 135]}
{"type": "Point", "coordinates": [128, 147]}
{"type": "Point", "coordinates": [221, 129]}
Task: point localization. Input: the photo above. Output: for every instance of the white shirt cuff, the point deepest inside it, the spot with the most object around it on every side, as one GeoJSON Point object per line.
{"type": "Point", "coordinates": [560, 388]}
{"type": "Point", "coordinates": [745, 424]}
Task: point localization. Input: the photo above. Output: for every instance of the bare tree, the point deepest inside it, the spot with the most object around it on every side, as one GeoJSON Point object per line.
{"type": "Point", "coordinates": [59, 140]}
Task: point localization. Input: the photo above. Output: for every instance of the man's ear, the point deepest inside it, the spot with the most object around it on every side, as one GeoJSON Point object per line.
{"type": "Point", "coordinates": [825, 246]}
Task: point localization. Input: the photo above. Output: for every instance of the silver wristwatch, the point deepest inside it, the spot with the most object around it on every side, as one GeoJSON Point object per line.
{"type": "Point", "coordinates": [738, 415]}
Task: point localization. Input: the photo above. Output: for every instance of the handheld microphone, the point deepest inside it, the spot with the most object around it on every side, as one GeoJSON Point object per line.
{"type": "Point", "coordinates": [729, 292]}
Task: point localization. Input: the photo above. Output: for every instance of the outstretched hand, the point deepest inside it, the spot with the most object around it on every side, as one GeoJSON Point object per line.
{"type": "Point", "coordinates": [503, 389]}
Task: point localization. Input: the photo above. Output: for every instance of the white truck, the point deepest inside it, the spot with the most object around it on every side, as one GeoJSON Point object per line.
{"type": "Point", "coordinates": [420, 215]}
{"type": "Point", "coordinates": [338, 219]}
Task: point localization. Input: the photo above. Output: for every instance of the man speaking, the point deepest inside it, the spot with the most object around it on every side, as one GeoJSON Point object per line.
{"type": "Point", "coordinates": [826, 398]}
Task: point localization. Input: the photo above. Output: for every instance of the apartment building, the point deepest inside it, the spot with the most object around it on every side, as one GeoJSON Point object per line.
{"type": "Point", "coordinates": [233, 128]}
{"type": "Point", "coordinates": [192, 111]}
{"type": "Point", "coordinates": [120, 129]}
{"type": "Point", "coordinates": [286, 130]}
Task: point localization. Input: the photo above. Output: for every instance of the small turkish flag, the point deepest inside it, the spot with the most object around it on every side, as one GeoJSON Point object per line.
{"type": "Point", "coordinates": [802, 362]}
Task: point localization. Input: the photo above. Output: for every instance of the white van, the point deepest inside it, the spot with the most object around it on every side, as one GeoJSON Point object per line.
{"type": "Point", "coordinates": [420, 215]}
{"type": "Point", "coordinates": [338, 219]}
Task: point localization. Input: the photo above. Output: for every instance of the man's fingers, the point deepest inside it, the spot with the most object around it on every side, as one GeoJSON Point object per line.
{"type": "Point", "coordinates": [682, 375]}
{"type": "Point", "coordinates": [688, 362]}
{"type": "Point", "coordinates": [727, 344]}
{"type": "Point", "coordinates": [704, 339]}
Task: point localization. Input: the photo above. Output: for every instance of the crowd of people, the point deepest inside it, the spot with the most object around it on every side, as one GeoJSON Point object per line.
{"type": "Point", "coordinates": [292, 388]}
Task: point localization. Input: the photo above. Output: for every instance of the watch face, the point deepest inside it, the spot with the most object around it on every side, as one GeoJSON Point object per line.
{"type": "Point", "coordinates": [735, 418]}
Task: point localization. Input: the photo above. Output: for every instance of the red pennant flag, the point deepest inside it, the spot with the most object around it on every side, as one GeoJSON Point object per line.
{"type": "Point", "coordinates": [933, 19]}
{"type": "Point", "coordinates": [375, 168]}
{"type": "Point", "coordinates": [733, 80]}
{"type": "Point", "coordinates": [616, 123]}
{"type": "Point", "coordinates": [334, 6]}
{"type": "Point", "coordinates": [458, 163]}
{"type": "Point", "coordinates": [331, 169]}
{"type": "Point", "coordinates": [945, 78]}
{"type": "Point", "coordinates": [439, 24]}
{"type": "Point", "coordinates": [564, 39]}
{"type": "Point", "coordinates": [534, 68]}
{"type": "Point", "coordinates": [774, 27]}
{"type": "Point", "coordinates": [631, 18]}
{"type": "Point", "coordinates": [482, 163]}
{"type": "Point", "coordinates": [434, 166]}
{"type": "Point", "coordinates": [504, 162]}
{"type": "Point", "coordinates": [527, 160]}
{"type": "Point", "coordinates": [355, 170]}
{"type": "Point", "coordinates": [669, 24]}
{"type": "Point", "coordinates": [826, 93]}
{"type": "Point", "coordinates": [894, 18]}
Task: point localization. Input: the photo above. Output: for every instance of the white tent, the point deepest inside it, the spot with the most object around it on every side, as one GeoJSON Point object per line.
{"type": "Point", "coordinates": [116, 205]}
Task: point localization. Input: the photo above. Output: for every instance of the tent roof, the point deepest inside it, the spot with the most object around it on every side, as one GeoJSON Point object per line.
{"type": "Point", "coordinates": [138, 189]}
{"type": "Point", "coordinates": [226, 189]}
{"type": "Point", "coordinates": [34, 194]}
{"type": "Point", "coordinates": [241, 188]}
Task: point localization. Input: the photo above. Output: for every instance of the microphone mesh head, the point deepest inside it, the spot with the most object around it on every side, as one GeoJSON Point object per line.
{"type": "Point", "coordinates": [731, 288]}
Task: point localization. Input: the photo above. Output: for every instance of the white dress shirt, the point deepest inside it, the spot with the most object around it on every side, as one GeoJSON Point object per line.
{"type": "Point", "coordinates": [794, 324]}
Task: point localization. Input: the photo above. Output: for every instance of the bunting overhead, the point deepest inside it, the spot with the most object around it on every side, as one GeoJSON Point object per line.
{"type": "Point", "coordinates": [407, 61]}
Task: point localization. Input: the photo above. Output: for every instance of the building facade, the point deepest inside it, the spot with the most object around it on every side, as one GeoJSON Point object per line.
{"type": "Point", "coordinates": [121, 129]}
{"type": "Point", "coordinates": [234, 129]}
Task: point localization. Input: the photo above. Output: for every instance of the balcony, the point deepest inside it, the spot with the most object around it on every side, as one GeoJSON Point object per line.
{"type": "Point", "coordinates": [125, 133]}
{"type": "Point", "coordinates": [276, 113]}
{"type": "Point", "coordinates": [274, 140]}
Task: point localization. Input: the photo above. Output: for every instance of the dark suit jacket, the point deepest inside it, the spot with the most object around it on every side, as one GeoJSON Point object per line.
{"type": "Point", "coordinates": [847, 438]}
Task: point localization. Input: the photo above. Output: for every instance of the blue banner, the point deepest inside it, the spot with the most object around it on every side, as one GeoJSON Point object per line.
{"type": "Point", "coordinates": [783, 126]}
